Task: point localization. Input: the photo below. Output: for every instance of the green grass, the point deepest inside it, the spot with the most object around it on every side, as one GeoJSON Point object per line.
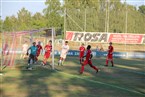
{"type": "Point", "coordinates": [126, 79]}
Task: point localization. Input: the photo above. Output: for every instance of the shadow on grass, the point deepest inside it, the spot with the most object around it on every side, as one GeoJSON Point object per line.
{"type": "Point", "coordinates": [44, 82]}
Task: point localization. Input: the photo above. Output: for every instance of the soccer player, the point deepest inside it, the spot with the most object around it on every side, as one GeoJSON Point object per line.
{"type": "Point", "coordinates": [110, 55]}
{"type": "Point", "coordinates": [48, 49]}
{"type": "Point", "coordinates": [32, 55]}
{"type": "Point", "coordinates": [88, 60]}
{"type": "Point", "coordinates": [82, 51]}
{"type": "Point", "coordinates": [24, 50]}
{"type": "Point", "coordinates": [39, 47]}
{"type": "Point", "coordinates": [64, 51]}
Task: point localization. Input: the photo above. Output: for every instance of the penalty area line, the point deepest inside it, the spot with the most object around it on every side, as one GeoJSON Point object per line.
{"type": "Point", "coordinates": [110, 85]}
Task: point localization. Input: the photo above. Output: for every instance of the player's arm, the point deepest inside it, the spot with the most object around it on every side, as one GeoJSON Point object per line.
{"type": "Point", "coordinates": [28, 50]}
{"type": "Point", "coordinates": [91, 56]}
{"type": "Point", "coordinates": [111, 51]}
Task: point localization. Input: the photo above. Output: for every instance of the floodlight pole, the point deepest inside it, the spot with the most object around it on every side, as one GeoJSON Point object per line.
{"type": "Point", "coordinates": [52, 33]}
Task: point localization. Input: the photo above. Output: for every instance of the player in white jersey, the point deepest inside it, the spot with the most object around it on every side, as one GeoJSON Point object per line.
{"type": "Point", "coordinates": [64, 51]}
{"type": "Point", "coordinates": [24, 50]}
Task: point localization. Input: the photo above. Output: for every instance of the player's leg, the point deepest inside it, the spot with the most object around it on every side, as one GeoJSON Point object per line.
{"type": "Point", "coordinates": [81, 60]}
{"type": "Point", "coordinates": [63, 59]}
{"type": "Point", "coordinates": [92, 66]}
{"type": "Point", "coordinates": [107, 60]}
{"type": "Point", "coordinates": [36, 59]}
{"type": "Point", "coordinates": [30, 61]}
{"type": "Point", "coordinates": [45, 60]}
{"type": "Point", "coordinates": [111, 60]}
{"type": "Point", "coordinates": [83, 66]}
{"type": "Point", "coordinates": [24, 55]}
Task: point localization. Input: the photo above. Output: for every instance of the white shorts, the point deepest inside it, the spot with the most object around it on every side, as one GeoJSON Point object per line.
{"type": "Point", "coordinates": [24, 52]}
{"type": "Point", "coordinates": [63, 55]}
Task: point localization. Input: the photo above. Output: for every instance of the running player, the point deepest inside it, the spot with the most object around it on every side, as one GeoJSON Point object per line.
{"type": "Point", "coordinates": [82, 51]}
{"type": "Point", "coordinates": [64, 51]}
{"type": "Point", "coordinates": [39, 47]}
{"type": "Point", "coordinates": [48, 49]}
{"type": "Point", "coordinates": [110, 54]}
{"type": "Point", "coordinates": [88, 60]}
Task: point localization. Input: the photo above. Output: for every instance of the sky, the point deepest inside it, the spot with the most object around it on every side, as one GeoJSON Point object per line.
{"type": "Point", "coordinates": [11, 7]}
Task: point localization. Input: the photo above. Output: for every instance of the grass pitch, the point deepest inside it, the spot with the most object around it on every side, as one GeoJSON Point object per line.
{"type": "Point", "coordinates": [126, 79]}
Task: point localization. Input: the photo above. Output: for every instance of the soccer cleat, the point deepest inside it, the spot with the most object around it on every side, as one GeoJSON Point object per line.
{"type": "Point", "coordinates": [81, 72]}
{"type": "Point", "coordinates": [58, 63]}
{"type": "Point", "coordinates": [112, 65]}
{"type": "Point", "coordinates": [97, 71]}
{"type": "Point", "coordinates": [30, 68]}
{"type": "Point", "coordinates": [42, 64]}
{"type": "Point", "coordinates": [106, 65]}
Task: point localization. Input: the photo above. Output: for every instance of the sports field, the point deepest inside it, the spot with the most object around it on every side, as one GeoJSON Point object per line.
{"type": "Point", "coordinates": [126, 79]}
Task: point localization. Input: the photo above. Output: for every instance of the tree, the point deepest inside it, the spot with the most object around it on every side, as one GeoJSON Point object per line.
{"type": "Point", "coordinates": [38, 21]}
{"type": "Point", "coordinates": [1, 22]}
{"type": "Point", "coordinates": [53, 13]}
{"type": "Point", "coordinates": [24, 19]}
{"type": "Point", "coordinates": [7, 24]}
{"type": "Point", "coordinates": [142, 9]}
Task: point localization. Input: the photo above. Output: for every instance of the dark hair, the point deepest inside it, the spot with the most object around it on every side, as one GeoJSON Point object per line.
{"type": "Point", "coordinates": [50, 41]}
{"type": "Point", "coordinates": [34, 42]}
{"type": "Point", "coordinates": [89, 46]}
{"type": "Point", "coordinates": [66, 41]}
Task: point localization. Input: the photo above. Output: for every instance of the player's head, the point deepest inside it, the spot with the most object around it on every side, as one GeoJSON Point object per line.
{"type": "Point", "coordinates": [110, 43]}
{"type": "Point", "coordinates": [66, 42]}
{"type": "Point", "coordinates": [25, 42]}
{"type": "Point", "coordinates": [34, 43]}
{"type": "Point", "coordinates": [88, 47]}
{"type": "Point", "coordinates": [83, 44]}
{"type": "Point", "coordinates": [50, 42]}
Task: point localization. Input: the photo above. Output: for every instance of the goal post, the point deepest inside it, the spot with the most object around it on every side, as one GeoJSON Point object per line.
{"type": "Point", "coordinates": [52, 33]}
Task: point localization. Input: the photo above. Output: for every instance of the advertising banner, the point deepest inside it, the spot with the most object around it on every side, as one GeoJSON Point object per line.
{"type": "Point", "coordinates": [124, 38]}
{"type": "Point", "coordinates": [86, 36]}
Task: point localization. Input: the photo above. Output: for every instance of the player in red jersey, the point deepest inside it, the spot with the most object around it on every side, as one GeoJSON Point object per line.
{"type": "Point", "coordinates": [88, 60]}
{"type": "Point", "coordinates": [110, 55]}
{"type": "Point", "coordinates": [82, 51]}
{"type": "Point", "coordinates": [48, 49]}
{"type": "Point", "coordinates": [39, 48]}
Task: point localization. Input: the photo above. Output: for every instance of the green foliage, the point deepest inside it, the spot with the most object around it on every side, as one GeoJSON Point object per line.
{"type": "Point", "coordinates": [1, 25]}
{"type": "Point", "coordinates": [81, 15]}
{"type": "Point", "coordinates": [7, 25]}
{"type": "Point", "coordinates": [53, 13]}
{"type": "Point", "coordinates": [142, 9]}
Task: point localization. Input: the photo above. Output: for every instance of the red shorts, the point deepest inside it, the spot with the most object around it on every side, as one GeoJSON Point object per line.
{"type": "Point", "coordinates": [109, 56]}
{"type": "Point", "coordinates": [81, 55]}
{"type": "Point", "coordinates": [47, 55]}
{"type": "Point", "coordinates": [87, 62]}
{"type": "Point", "coordinates": [38, 53]}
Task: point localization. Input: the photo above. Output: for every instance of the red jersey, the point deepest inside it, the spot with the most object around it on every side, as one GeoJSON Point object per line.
{"type": "Point", "coordinates": [88, 54]}
{"type": "Point", "coordinates": [48, 48]}
{"type": "Point", "coordinates": [82, 51]}
{"type": "Point", "coordinates": [39, 48]}
{"type": "Point", "coordinates": [110, 49]}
